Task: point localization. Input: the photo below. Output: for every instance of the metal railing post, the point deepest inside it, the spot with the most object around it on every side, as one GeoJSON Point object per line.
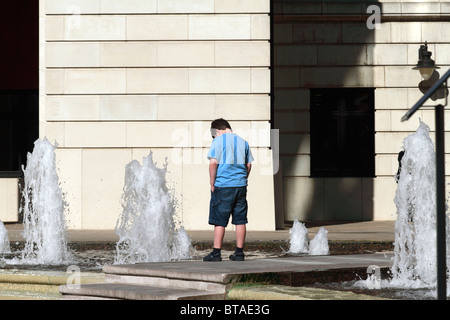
{"type": "Point", "coordinates": [440, 206]}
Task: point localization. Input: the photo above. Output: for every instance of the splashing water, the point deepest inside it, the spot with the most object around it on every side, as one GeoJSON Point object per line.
{"type": "Point", "coordinates": [146, 226]}
{"type": "Point", "coordinates": [415, 229]}
{"type": "Point", "coordinates": [414, 265]}
{"type": "Point", "coordinates": [43, 208]}
{"type": "Point", "coordinates": [298, 241]}
{"type": "Point", "coordinates": [4, 239]}
{"type": "Point", "coordinates": [319, 244]}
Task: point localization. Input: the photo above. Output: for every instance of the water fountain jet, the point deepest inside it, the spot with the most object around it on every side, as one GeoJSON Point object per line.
{"type": "Point", "coordinates": [318, 246]}
{"type": "Point", "coordinates": [415, 259]}
{"type": "Point", "coordinates": [4, 239]}
{"type": "Point", "coordinates": [43, 208]}
{"type": "Point", "coordinates": [299, 239]}
{"type": "Point", "coordinates": [415, 227]}
{"type": "Point", "coordinates": [146, 227]}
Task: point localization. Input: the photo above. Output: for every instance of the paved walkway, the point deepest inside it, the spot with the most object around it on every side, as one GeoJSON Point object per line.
{"type": "Point", "coordinates": [348, 231]}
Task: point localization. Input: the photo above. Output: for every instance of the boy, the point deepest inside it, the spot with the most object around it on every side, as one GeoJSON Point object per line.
{"type": "Point", "coordinates": [229, 166]}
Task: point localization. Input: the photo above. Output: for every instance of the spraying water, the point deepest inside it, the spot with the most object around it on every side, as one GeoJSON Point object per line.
{"type": "Point", "coordinates": [146, 227]}
{"type": "Point", "coordinates": [415, 260]}
{"type": "Point", "coordinates": [4, 239]}
{"type": "Point", "coordinates": [415, 228]}
{"type": "Point", "coordinates": [43, 208]}
{"type": "Point", "coordinates": [299, 239]}
{"type": "Point", "coordinates": [319, 244]}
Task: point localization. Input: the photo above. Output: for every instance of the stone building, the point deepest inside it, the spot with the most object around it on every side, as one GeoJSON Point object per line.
{"type": "Point", "coordinates": [343, 80]}
{"type": "Point", "coordinates": [317, 88]}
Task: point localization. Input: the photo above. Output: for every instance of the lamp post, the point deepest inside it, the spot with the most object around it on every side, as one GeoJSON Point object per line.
{"type": "Point", "coordinates": [426, 67]}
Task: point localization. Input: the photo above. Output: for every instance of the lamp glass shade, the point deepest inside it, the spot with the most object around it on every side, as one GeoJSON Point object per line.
{"type": "Point", "coordinates": [426, 72]}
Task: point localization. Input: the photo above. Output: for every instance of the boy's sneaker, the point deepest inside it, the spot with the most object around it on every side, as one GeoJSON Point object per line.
{"type": "Point", "coordinates": [213, 257]}
{"type": "Point", "coordinates": [237, 256]}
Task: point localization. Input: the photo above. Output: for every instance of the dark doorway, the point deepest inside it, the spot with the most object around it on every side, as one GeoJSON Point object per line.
{"type": "Point", "coordinates": [19, 83]}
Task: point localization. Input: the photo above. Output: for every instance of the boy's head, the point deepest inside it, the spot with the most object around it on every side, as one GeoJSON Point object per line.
{"type": "Point", "coordinates": [219, 124]}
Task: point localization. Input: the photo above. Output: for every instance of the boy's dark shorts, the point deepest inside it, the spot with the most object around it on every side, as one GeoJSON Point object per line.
{"type": "Point", "coordinates": [226, 201]}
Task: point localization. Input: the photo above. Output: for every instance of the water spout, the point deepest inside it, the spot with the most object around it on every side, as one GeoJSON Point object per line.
{"type": "Point", "coordinates": [4, 239]}
{"type": "Point", "coordinates": [415, 264]}
{"type": "Point", "coordinates": [415, 227]}
{"type": "Point", "coordinates": [146, 227]}
{"type": "Point", "coordinates": [318, 246]}
{"type": "Point", "coordinates": [299, 239]}
{"type": "Point", "coordinates": [43, 208]}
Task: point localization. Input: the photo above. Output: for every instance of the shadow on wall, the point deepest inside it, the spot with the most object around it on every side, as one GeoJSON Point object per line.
{"type": "Point", "coordinates": [317, 45]}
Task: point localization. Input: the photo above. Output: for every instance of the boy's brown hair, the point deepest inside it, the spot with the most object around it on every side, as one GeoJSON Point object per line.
{"type": "Point", "coordinates": [220, 124]}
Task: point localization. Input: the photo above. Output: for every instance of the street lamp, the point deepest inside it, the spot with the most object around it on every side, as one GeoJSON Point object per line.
{"type": "Point", "coordinates": [425, 65]}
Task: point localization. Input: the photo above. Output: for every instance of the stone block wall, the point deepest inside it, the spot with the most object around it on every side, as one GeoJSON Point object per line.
{"type": "Point", "coordinates": [328, 44]}
{"type": "Point", "coordinates": [122, 78]}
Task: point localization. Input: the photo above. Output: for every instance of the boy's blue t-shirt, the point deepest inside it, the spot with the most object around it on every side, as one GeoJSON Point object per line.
{"type": "Point", "coordinates": [233, 153]}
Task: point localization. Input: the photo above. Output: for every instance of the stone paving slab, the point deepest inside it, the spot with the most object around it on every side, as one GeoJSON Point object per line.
{"type": "Point", "coordinates": [131, 291]}
{"type": "Point", "coordinates": [226, 271]}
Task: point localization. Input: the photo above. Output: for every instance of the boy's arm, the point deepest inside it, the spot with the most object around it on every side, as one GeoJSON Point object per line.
{"type": "Point", "coordinates": [249, 168]}
{"type": "Point", "coordinates": [213, 164]}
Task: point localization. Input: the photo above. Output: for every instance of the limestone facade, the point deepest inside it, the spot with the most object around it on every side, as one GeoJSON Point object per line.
{"type": "Point", "coordinates": [122, 78]}
{"type": "Point", "coordinates": [323, 44]}
{"type": "Point", "coordinates": [119, 79]}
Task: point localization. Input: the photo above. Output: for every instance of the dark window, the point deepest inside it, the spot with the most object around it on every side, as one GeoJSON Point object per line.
{"type": "Point", "coordinates": [19, 83]}
{"type": "Point", "coordinates": [342, 132]}
{"type": "Point", "coordinates": [19, 119]}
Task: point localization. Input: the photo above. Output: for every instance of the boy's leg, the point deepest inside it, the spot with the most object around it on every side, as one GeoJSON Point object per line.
{"type": "Point", "coordinates": [219, 233]}
{"type": "Point", "coordinates": [215, 255]}
{"type": "Point", "coordinates": [238, 254]}
{"type": "Point", "coordinates": [241, 231]}
{"type": "Point", "coordinates": [219, 220]}
{"type": "Point", "coordinates": [240, 221]}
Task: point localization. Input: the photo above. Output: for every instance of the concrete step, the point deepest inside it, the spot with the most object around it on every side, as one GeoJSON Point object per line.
{"type": "Point", "coordinates": [136, 282]}
{"type": "Point", "coordinates": [167, 282]}
{"type": "Point", "coordinates": [179, 270]}
{"type": "Point", "coordinates": [132, 291]}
